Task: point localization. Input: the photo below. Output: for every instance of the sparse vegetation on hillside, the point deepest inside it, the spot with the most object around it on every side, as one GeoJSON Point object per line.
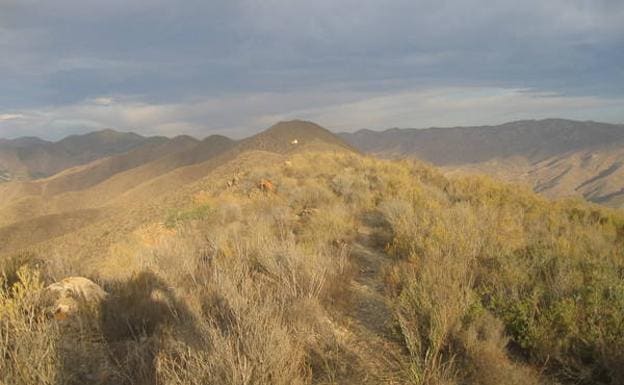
{"type": "Point", "coordinates": [486, 284]}
{"type": "Point", "coordinates": [556, 157]}
{"type": "Point", "coordinates": [549, 273]}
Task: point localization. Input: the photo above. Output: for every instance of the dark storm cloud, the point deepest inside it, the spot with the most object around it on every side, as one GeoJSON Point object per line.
{"type": "Point", "coordinates": [59, 56]}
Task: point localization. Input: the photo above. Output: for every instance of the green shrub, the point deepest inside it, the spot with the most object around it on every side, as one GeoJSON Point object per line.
{"type": "Point", "coordinates": [194, 214]}
{"type": "Point", "coordinates": [550, 272]}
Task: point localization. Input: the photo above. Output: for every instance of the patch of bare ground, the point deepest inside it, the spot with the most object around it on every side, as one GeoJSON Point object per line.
{"type": "Point", "coordinates": [364, 328]}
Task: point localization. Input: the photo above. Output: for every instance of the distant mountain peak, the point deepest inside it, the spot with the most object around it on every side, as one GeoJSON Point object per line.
{"type": "Point", "coordinates": [217, 137]}
{"type": "Point", "coordinates": [288, 136]}
{"type": "Point", "coordinates": [24, 141]}
{"type": "Point", "coordinates": [108, 134]}
{"type": "Point", "coordinates": [295, 126]}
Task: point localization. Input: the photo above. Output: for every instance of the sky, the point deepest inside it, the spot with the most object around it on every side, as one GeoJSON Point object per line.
{"type": "Point", "coordinates": [235, 67]}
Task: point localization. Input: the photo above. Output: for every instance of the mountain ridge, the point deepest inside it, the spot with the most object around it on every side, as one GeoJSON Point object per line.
{"type": "Point", "coordinates": [556, 157]}
{"type": "Point", "coordinates": [33, 158]}
{"type": "Point", "coordinates": [474, 144]}
{"type": "Point", "coordinates": [150, 171]}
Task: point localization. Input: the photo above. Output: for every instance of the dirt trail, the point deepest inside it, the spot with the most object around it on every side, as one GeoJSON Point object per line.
{"type": "Point", "coordinates": [365, 326]}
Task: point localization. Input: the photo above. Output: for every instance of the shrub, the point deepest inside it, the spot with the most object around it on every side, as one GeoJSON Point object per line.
{"type": "Point", "coordinates": [193, 214]}
{"type": "Point", "coordinates": [28, 342]}
{"type": "Point", "coordinates": [550, 272]}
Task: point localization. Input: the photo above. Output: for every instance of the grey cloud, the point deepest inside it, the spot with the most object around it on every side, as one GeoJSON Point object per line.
{"type": "Point", "coordinates": [60, 53]}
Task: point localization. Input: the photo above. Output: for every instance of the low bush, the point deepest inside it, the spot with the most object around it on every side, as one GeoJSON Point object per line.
{"type": "Point", "coordinates": [549, 272]}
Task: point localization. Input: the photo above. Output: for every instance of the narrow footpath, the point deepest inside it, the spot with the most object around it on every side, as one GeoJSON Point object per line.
{"type": "Point", "coordinates": [365, 327]}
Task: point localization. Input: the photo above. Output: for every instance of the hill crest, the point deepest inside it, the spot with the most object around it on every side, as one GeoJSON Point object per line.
{"type": "Point", "coordinates": [289, 136]}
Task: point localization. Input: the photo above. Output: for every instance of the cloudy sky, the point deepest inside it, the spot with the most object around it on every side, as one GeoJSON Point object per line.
{"type": "Point", "coordinates": [237, 66]}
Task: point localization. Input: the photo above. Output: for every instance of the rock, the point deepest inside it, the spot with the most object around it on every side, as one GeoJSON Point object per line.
{"type": "Point", "coordinates": [266, 185]}
{"type": "Point", "coordinates": [68, 296]}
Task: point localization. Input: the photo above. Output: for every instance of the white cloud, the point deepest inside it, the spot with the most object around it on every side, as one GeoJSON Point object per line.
{"type": "Point", "coordinates": [461, 106]}
{"type": "Point", "coordinates": [103, 101]}
{"type": "Point", "coordinates": [240, 115]}
{"type": "Point", "coordinates": [5, 117]}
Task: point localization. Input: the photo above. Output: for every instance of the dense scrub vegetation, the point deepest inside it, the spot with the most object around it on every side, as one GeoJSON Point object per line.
{"type": "Point", "coordinates": [478, 261]}
{"type": "Point", "coordinates": [489, 284]}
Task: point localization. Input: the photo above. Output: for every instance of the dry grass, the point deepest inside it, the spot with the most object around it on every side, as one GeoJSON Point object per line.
{"type": "Point", "coordinates": [28, 343]}
{"type": "Point", "coordinates": [489, 284]}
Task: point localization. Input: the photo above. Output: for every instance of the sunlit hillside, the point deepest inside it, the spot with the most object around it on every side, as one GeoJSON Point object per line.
{"type": "Point", "coordinates": [290, 258]}
{"type": "Point", "coordinates": [31, 158]}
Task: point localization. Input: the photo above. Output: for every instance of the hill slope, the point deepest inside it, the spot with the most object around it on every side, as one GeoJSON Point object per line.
{"type": "Point", "coordinates": [350, 269]}
{"type": "Point", "coordinates": [155, 170]}
{"type": "Point", "coordinates": [31, 158]}
{"type": "Point", "coordinates": [554, 156]}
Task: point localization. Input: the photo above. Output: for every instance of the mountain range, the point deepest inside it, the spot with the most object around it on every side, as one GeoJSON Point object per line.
{"type": "Point", "coordinates": [30, 157]}
{"type": "Point", "coordinates": [108, 173]}
{"type": "Point", "coordinates": [555, 157]}
{"type": "Point", "coordinates": [53, 188]}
